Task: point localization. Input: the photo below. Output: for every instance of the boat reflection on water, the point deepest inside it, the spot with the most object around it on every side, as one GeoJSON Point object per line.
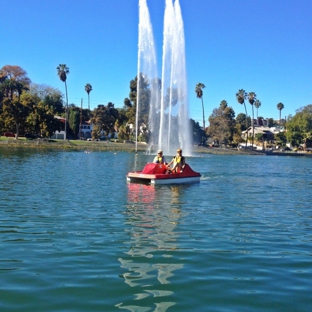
{"type": "Point", "coordinates": [145, 193]}
{"type": "Point", "coordinates": [141, 193]}
{"type": "Point", "coordinates": [151, 260]}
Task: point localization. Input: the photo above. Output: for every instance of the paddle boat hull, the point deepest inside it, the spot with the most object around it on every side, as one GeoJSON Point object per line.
{"type": "Point", "coordinates": [157, 174]}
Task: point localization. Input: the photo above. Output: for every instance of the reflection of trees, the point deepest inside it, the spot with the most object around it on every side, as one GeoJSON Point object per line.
{"type": "Point", "coordinates": [151, 218]}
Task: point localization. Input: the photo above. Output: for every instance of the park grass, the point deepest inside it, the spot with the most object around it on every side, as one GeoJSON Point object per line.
{"type": "Point", "coordinates": [114, 145]}
{"type": "Point", "coordinates": [70, 144]}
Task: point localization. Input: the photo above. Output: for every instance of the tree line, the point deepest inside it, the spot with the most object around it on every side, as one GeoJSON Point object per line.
{"type": "Point", "coordinates": [225, 128]}
{"type": "Point", "coordinates": [29, 107]}
{"type": "Point", "coordinates": [26, 107]}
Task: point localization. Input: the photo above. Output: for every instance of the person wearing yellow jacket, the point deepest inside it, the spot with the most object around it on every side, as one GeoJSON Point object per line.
{"type": "Point", "coordinates": [178, 162]}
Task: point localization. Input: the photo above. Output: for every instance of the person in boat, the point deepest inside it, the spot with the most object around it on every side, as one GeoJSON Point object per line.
{"type": "Point", "coordinates": [159, 159]}
{"type": "Point", "coordinates": [178, 162]}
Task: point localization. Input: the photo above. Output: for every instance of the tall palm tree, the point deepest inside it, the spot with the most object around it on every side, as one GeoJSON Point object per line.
{"type": "Point", "coordinates": [251, 99]}
{"type": "Point", "coordinates": [241, 96]}
{"type": "Point", "coordinates": [88, 89]}
{"type": "Point", "coordinates": [199, 93]}
{"type": "Point", "coordinates": [62, 72]}
{"type": "Point", "coordinates": [280, 106]}
{"type": "Point", "coordinates": [257, 105]}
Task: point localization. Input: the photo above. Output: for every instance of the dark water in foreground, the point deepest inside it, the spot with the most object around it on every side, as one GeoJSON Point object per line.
{"type": "Point", "coordinates": [74, 236]}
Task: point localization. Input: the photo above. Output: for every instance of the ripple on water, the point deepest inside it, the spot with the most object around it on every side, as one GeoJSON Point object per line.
{"type": "Point", "coordinates": [240, 240]}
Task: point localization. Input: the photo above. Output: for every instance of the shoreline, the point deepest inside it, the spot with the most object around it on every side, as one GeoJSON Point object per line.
{"type": "Point", "coordinates": [128, 146]}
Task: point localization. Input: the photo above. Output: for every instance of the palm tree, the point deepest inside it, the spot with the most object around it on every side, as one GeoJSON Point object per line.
{"type": "Point", "coordinates": [241, 96]}
{"type": "Point", "coordinates": [280, 106]}
{"type": "Point", "coordinates": [257, 105]}
{"type": "Point", "coordinates": [199, 93]}
{"type": "Point", "coordinates": [251, 99]}
{"type": "Point", "coordinates": [88, 89]}
{"type": "Point", "coordinates": [62, 72]}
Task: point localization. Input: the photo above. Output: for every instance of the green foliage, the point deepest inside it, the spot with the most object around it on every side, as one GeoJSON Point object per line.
{"type": "Point", "coordinates": [199, 90]}
{"type": "Point", "coordinates": [280, 138]}
{"type": "Point", "coordinates": [222, 123]}
{"type": "Point", "coordinates": [41, 120]}
{"type": "Point", "coordinates": [299, 127]}
{"type": "Point", "coordinates": [144, 100]}
{"type": "Point", "coordinates": [199, 93]}
{"type": "Point", "coordinates": [270, 122]}
{"type": "Point", "coordinates": [242, 121]}
{"type": "Point", "coordinates": [104, 118]}
{"type": "Point", "coordinates": [14, 110]}
{"type": "Point", "coordinates": [257, 103]}
{"type": "Point", "coordinates": [62, 72]}
{"type": "Point", "coordinates": [26, 107]}
{"type": "Point", "coordinates": [126, 130]}
{"type": "Point", "coordinates": [88, 89]}
{"type": "Point", "coordinates": [241, 96]}
{"type": "Point", "coordinates": [198, 132]}
{"type": "Point", "coordinates": [123, 133]}
{"type": "Point", "coordinates": [14, 113]}
{"type": "Point", "coordinates": [46, 103]}
{"type": "Point", "coordinates": [251, 97]}
{"type": "Point", "coordinates": [280, 107]}
{"type": "Point", "coordinates": [259, 137]}
{"type": "Point", "coordinates": [14, 73]}
{"type": "Point", "coordinates": [74, 121]}
{"type": "Point", "coordinates": [143, 137]}
{"type": "Point", "coordinates": [237, 135]}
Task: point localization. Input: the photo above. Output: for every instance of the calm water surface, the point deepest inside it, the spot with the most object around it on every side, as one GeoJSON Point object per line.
{"type": "Point", "coordinates": [74, 236]}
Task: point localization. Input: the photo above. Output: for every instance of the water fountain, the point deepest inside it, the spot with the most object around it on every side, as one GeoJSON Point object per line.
{"type": "Point", "coordinates": [168, 125]}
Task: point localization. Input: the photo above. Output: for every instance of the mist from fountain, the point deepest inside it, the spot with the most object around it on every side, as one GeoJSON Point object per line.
{"type": "Point", "coordinates": [169, 124]}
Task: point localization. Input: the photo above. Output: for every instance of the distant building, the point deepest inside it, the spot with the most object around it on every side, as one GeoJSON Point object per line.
{"type": "Point", "coordinates": [59, 135]}
{"type": "Point", "coordinates": [261, 122]}
{"type": "Point", "coordinates": [268, 133]}
{"type": "Point", "coordinates": [86, 131]}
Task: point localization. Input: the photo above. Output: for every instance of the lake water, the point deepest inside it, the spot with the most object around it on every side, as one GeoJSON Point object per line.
{"type": "Point", "coordinates": [74, 236]}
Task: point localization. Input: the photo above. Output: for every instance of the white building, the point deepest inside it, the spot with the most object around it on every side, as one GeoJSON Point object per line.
{"type": "Point", "coordinates": [86, 131]}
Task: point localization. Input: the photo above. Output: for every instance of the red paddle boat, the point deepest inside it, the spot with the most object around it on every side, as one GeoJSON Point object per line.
{"type": "Point", "coordinates": [160, 174]}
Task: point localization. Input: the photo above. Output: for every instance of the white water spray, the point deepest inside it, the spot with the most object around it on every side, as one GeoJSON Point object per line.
{"type": "Point", "coordinates": [147, 64]}
{"type": "Point", "coordinates": [168, 114]}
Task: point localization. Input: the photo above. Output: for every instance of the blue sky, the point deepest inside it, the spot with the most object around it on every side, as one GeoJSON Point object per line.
{"type": "Point", "coordinates": [263, 46]}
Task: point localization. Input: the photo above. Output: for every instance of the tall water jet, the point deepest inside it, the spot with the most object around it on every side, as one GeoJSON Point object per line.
{"type": "Point", "coordinates": [147, 69]}
{"type": "Point", "coordinates": [174, 121]}
{"type": "Point", "coordinates": [169, 124]}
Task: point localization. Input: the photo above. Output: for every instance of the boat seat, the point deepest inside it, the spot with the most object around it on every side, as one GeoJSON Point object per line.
{"type": "Point", "coordinates": [152, 168]}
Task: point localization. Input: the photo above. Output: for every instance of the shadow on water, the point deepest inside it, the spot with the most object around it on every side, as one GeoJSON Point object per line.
{"type": "Point", "coordinates": [152, 216]}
